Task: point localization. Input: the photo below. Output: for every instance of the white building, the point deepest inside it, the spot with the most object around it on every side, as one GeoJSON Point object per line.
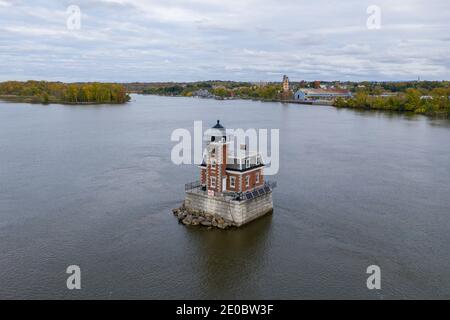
{"type": "Point", "coordinates": [306, 94]}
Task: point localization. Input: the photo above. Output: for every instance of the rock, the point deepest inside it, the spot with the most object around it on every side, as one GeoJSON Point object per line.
{"type": "Point", "coordinates": [206, 223]}
{"type": "Point", "coordinates": [194, 218]}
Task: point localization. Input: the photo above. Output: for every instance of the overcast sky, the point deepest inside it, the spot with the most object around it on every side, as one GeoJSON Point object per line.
{"type": "Point", "coordinates": [254, 40]}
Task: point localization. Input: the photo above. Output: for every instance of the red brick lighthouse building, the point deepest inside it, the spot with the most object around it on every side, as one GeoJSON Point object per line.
{"type": "Point", "coordinates": [232, 189]}
{"type": "Point", "coordinates": [222, 172]}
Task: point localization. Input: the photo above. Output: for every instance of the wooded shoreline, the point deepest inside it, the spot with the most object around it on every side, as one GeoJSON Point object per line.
{"type": "Point", "coordinates": [430, 98]}
{"type": "Point", "coordinates": [34, 100]}
{"type": "Point", "coordinates": [64, 93]}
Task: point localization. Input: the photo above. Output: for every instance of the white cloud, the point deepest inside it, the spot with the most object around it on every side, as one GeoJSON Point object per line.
{"type": "Point", "coordinates": [185, 40]}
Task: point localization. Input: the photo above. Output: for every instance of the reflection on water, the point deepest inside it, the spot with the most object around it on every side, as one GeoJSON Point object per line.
{"type": "Point", "coordinates": [226, 258]}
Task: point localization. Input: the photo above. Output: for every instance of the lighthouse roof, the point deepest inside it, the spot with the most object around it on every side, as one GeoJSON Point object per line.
{"type": "Point", "coordinates": [215, 134]}
{"type": "Point", "coordinates": [218, 125]}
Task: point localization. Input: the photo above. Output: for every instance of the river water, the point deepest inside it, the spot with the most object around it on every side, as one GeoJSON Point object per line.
{"type": "Point", "coordinates": [94, 186]}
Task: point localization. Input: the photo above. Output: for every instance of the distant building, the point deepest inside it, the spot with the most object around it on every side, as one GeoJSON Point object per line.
{"type": "Point", "coordinates": [302, 84]}
{"type": "Point", "coordinates": [202, 93]}
{"type": "Point", "coordinates": [285, 83]}
{"type": "Point", "coordinates": [321, 94]}
{"type": "Point", "coordinates": [316, 84]}
{"type": "Point", "coordinates": [386, 95]}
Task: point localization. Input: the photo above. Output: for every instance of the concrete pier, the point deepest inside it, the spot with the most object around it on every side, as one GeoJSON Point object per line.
{"type": "Point", "coordinates": [234, 212]}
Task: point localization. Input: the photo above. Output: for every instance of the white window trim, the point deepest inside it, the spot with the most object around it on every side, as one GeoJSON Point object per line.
{"type": "Point", "coordinates": [213, 164]}
{"type": "Point", "coordinates": [213, 182]}
{"type": "Point", "coordinates": [232, 182]}
{"type": "Point", "coordinates": [247, 181]}
{"type": "Point", "coordinates": [247, 163]}
{"type": "Point", "coordinates": [257, 177]}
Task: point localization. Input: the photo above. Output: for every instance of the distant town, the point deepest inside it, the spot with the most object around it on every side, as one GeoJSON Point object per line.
{"type": "Point", "coordinates": [430, 98]}
{"type": "Point", "coordinates": [421, 97]}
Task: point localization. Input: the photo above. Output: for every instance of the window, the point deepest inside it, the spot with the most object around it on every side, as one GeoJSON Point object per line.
{"type": "Point", "coordinates": [257, 177]}
{"type": "Point", "coordinates": [232, 182]}
{"type": "Point", "coordinates": [213, 182]}
{"type": "Point", "coordinates": [257, 160]}
{"type": "Point", "coordinates": [213, 164]}
{"type": "Point", "coordinates": [247, 163]}
{"type": "Point", "coordinates": [247, 181]}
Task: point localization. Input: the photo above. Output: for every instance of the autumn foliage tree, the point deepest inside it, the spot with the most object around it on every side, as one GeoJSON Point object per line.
{"type": "Point", "coordinates": [45, 92]}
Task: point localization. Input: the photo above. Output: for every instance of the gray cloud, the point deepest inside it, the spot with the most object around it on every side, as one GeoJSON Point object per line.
{"type": "Point", "coordinates": [187, 40]}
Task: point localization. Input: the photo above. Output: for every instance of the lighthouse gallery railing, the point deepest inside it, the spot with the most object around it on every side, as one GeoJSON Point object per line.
{"type": "Point", "coordinates": [267, 187]}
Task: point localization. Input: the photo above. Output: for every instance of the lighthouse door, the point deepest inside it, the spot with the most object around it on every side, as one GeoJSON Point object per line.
{"type": "Point", "coordinates": [224, 184]}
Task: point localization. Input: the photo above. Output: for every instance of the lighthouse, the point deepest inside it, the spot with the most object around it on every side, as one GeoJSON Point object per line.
{"type": "Point", "coordinates": [213, 170]}
{"type": "Point", "coordinates": [232, 186]}
{"type": "Point", "coordinates": [222, 172]}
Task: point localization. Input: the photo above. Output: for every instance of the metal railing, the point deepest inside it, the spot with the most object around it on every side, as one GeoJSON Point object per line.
{"type": "Point", "coordinates": [192, 185]}
{"type": "Point", "coordinates": [267, 187]}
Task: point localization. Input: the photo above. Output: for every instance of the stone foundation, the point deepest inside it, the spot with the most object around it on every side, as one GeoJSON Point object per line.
{"type": "Point", "coordinates": [235, 213]}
